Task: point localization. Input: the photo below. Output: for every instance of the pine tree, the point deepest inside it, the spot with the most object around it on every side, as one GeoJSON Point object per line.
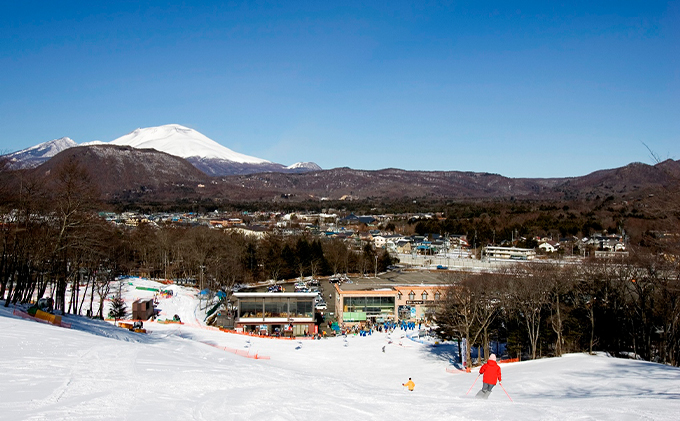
{"type": "Point", "coordinates": [118, 308]}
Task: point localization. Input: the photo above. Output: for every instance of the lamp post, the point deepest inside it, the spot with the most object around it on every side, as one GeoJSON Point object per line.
{"type": "Point", "coordinates": [202, 267]}
{"type": "Point", "coordinates": [376, 266]}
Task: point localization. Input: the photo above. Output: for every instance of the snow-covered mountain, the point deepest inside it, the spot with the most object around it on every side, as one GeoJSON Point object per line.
{"type": "Point", "coordinates": [183, 142]}
{"type": "Point", "coordinates": [304, 166]}
{"type": "Point", "coordinates": [174, 139]}
{"type": "Point", "coordinates": [36, 155]}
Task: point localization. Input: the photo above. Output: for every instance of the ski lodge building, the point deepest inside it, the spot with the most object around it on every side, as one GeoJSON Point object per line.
{"type": "Point", "coordinates": [360, 305]}
{"type": "Point", "coordinates": [266, 312]}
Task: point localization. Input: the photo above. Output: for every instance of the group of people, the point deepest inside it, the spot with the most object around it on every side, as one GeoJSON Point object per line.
{"type": "Point", "coordinates": [492, 375]}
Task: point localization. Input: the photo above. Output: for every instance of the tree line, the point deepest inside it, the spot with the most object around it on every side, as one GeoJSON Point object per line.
{"type": "Point", "coordinates": [53, 243]}
{"type": "Point", "coordinates": [623, 307]}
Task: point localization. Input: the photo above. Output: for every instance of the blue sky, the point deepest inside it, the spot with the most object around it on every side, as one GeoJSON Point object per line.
{"type": "Point", "coordinates": [531, 89]}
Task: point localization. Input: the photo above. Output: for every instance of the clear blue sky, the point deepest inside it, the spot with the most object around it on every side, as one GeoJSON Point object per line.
{"type": "Point", "coordinates": [532, 89]}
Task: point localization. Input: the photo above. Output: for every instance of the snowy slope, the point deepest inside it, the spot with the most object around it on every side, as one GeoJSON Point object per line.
{"type": "Point", "coordinates": [180, 372]}
{"type": "Point", "coordinates": [308, 166]}
{"type": "Point", "coordinates": [183, 142]}
{"type": "Point", "coordinates": [36, 155]}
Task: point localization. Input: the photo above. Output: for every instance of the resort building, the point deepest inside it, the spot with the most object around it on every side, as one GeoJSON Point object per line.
{"type": "Point", "coordinates": [270, 313]}
{"type": "Point", "coordinates": [376, 305]}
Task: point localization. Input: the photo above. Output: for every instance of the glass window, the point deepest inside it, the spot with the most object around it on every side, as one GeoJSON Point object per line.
{"type": "Point", "coordinates": [437, 295]}
{"type": "Point", "coordinates": [411, 295]}
{"type": "Point", "coordinates": [369, 305]}
{"type": "Point", "coordinates": [424, 295]}
{"type": "Point", "coordinates": [277, 307]}
{"type": "Point", "coordinates": [301, 308]}
{"type": "Point", "coordinates": [251, 307]}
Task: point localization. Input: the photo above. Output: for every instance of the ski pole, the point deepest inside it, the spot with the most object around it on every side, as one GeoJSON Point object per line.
{"type": "Point", "coordinates": [506, 392]}
{"type": "Point", "coordinates": [473, 383]}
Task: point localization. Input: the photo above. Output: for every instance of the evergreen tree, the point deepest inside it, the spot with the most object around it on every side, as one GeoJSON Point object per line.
{"type": "Point", "coordinates": [118, 308]}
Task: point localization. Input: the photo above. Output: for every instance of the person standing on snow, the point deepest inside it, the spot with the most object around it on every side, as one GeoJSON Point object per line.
{"type": "Point", "coordinates": [492, 373]}
{"type": "Point", "coordinates": [409, 384]}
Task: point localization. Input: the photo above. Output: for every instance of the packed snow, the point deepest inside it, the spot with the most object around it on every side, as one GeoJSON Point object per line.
{"type": "Point", "coordinates": [94, 370]}
{"type": "Point", "coordinates": [183, 142]}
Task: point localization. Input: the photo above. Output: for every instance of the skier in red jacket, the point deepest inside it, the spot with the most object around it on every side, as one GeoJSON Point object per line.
{"type": "Point", "coordinates": [492, 373]}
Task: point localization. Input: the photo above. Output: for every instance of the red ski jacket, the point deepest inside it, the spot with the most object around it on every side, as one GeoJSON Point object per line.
{"type": "Point", "coordinates": [491, 371]}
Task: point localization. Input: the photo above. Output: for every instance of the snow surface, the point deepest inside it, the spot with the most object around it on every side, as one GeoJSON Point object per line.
{"type": "Point", "coordinates": [178, 372]}
{"type": "Point", "coordinates": [46, 149]}
{"type": "Point", "coordinates": [304, 165]}
{"type": "Point", "coordinates": [183, 142]}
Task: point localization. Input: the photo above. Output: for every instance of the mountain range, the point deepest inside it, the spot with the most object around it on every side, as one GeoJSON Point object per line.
{"type": "Point", "coordinates": [173, 162]}
{"type": "Point", "coordinates": [204, 153]}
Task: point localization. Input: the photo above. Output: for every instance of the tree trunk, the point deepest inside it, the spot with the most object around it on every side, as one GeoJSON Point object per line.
{"type": "Point", "coordinates": [592, 328]}
{"type": "Point", "coordinates": [87, 285]}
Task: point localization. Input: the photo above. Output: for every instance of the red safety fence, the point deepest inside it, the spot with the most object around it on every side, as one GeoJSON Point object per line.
{"type": "Point", "coordinates": [240, 352]}
{"type": "Point", "coordinates": [29, 317]}
{"type": "Point", "coordinates": [509, 360]}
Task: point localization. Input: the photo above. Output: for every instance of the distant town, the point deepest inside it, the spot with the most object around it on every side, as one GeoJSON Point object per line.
{"type": "Point", "coordinates": [384, 232]}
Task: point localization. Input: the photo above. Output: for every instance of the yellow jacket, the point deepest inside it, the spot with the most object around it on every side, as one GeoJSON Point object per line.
{"type": "Point", "coordinates": [410, 385]}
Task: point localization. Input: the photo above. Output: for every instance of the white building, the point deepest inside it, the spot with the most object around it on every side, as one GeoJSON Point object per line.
{"type": "Point", "coordinates": [508, 253]}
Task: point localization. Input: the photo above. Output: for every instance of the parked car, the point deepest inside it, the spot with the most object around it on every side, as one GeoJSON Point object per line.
{"type": "Point", "coordinates": [275, 288]}
{"type": "Point", "coordinates": [321, 305]}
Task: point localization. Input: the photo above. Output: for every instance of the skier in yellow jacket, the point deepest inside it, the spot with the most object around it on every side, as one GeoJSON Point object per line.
{"type": "Point", "coordinates": [409, 384]}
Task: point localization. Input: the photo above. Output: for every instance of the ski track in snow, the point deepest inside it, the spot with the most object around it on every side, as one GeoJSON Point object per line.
{"type": "Point", "coordinates": [96, 371]}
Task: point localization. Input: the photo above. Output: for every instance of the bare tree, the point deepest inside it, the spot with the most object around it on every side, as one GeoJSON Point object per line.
{"type": "Point", "coordinates": [336, 252]}
{"type": "Point", "coordinates": [530, 295]}
{"type": "Point", "coordinates": [560, 283]}
{"type": "Point", "coordinates": [470, 304]}
{"type": "Point", "coordinates": [74, 197]}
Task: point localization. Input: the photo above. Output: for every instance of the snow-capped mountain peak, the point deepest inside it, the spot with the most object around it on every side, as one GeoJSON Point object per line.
{"type": "Point", "coordinates": [309, 166]}
{"type": "Point", "coordinates": [50, 148]}
{"type": "Point", "coordinates": [36, 155]}
{"type": "Point", "coordinates": [184, 142]}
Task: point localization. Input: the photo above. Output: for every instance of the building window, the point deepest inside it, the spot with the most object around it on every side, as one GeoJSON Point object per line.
{"type": "Point", "coordinates": [424, 295]}
{"type": "Point", "coordinates": [411, 295]}
{"type": "Point", "coordinates": [437, 295]}
{"type": "Point", "coordinates": [399, 296]}
{"type": "Point", "coordinates": [251, 307]}
{"type": "Point", "coordinates": [276, 308]}
{"type": "Point", "coordinates": [301, 308]}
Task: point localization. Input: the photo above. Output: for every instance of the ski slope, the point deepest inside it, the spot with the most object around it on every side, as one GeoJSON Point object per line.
{"type": "Point", "coordinates": [95, 371]}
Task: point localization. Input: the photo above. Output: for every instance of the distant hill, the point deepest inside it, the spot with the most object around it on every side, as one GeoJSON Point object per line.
{"type": "Point", "coordinates": [123, 172]}
{"type": "Point", "coordinates": [634, 179]}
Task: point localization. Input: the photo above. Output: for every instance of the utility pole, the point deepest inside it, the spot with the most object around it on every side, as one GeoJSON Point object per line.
{"type": "Point", "coordinates": [376, 265]}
